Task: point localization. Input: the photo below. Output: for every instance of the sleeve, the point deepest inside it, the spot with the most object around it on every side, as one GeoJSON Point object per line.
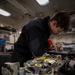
{"type": "Point", "coordinates": [37, 43]}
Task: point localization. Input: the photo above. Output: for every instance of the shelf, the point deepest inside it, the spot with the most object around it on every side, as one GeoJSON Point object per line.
{"type": "Point", "coordinates": [8, 29]}
{"type": "Point", "coordinates": [10, 43]}
{"type": "Point", "coordinates": [67, 33]}
{"type": "Point", "coordinates": [69, 43]}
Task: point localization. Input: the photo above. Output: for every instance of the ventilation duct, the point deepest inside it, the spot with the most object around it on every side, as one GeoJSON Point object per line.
{"type": "Point", "coordinates": [18, 5]}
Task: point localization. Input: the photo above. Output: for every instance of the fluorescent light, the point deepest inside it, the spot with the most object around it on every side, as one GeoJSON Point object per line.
{"type": "Point", "coordinates": [43, 2]}
{"type": "Point", "coordinates": [4, 13]}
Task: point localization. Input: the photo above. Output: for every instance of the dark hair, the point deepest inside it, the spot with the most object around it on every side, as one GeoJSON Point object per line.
{"type": "Point", "coordinates": [63, 20]}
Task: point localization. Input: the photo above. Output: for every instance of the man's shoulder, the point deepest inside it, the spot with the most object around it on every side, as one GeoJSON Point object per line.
{"type": "Point", "coordinates": [40, 20]}
{"type": "Point", "coordinates": [36, 20]}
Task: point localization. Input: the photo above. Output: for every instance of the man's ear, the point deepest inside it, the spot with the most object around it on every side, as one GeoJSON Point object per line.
{"type": "Point", "coordinates": [54, 23]}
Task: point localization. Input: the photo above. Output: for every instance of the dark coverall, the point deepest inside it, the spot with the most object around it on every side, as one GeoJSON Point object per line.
{"type": "Point", "coordinates": [33, 41]}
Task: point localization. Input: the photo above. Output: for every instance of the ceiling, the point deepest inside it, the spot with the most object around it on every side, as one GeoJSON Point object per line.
{"type": "Point", "coordinates": [21, 9]}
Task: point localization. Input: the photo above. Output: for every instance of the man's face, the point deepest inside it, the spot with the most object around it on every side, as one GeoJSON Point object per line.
{"type": "Point", "coordinates": [55, 30]}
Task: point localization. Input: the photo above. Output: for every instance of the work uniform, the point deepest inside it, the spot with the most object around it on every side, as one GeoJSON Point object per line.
{"type": "Point", "coordinates": [33, 40]}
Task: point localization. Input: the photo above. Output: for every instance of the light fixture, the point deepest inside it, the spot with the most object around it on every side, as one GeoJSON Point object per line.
{"type": "Point", "coordinates": [43, 2]}
{"type": "Point", "coordinates": [4, 13]}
